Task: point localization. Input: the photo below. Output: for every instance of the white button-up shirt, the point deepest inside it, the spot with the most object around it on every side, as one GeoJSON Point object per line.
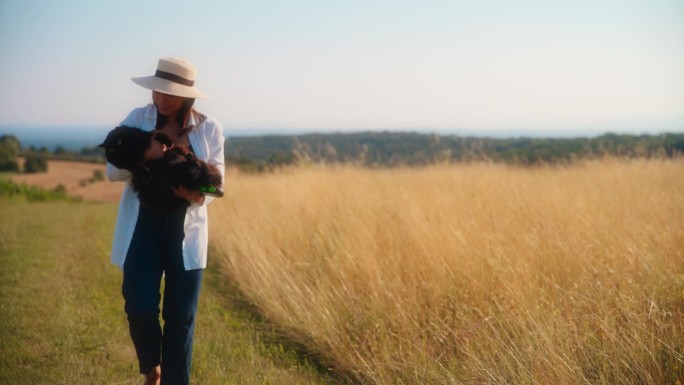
{"type": "Point", "coordinates": [206, 139]}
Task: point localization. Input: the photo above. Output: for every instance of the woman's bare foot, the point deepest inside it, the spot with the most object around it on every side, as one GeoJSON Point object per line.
{"type": "Point", "coordinates": [154, 376]}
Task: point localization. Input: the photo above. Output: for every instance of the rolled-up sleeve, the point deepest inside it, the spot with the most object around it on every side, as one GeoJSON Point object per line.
{"type": "Point", "coordinates": [215, 155]}
{"type": "Point", "coordinates": [115, 174]}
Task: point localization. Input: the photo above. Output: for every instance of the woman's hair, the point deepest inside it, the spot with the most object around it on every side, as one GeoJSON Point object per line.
{"type": "Point", "coordinates": [182, 116]}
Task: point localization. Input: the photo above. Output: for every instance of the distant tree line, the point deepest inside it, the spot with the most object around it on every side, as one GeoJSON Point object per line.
{"type": "Point", "coordinates": [86, 154]}
{"type": "Point", "coordinates": [411, 149]}
{"type": "Point", "coordinates": [261, 153]}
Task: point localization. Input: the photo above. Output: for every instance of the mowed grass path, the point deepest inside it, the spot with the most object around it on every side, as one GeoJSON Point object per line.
{"type": "Point", "coordinates": [62, 319]}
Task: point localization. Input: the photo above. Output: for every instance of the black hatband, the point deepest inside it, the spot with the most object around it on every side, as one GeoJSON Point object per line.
{"type": "Point", "coordinates": [174, 78]}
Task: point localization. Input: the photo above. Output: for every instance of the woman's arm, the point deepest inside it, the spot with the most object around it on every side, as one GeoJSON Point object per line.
{"type": "Point", "coordinates": [216, 153]}
{"type": "Point", "coordinates": [213, 136]}
{"type": "Point", "coordinates": [216, 150]}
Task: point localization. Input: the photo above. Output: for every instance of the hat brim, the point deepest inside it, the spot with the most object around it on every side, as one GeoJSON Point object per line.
{"type": "Point", "coordinates": [168, 87]}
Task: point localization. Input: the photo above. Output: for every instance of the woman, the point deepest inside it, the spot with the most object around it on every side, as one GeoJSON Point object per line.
{"type": "Point", "coordinates": [148, 245]}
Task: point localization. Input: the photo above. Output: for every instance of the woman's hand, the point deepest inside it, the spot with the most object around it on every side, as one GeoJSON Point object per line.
{"type": "Point", "coordinates": [190, 196]}
{"type": "Point", "coordinates": [155, 151]}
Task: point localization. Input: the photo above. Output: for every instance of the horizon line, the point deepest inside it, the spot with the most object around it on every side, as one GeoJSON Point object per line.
{"type": "Point", "coordinates": [266, 131]}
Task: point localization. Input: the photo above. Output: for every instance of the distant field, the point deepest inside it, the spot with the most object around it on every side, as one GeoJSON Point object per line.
{"type": "Point", "coordinates": [74, 177]}
{"type": "Point", "coordinates": [468, 274]}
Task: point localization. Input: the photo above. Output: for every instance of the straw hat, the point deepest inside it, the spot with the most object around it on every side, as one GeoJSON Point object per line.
{"type": "Point", "coordinates": [174, 76]}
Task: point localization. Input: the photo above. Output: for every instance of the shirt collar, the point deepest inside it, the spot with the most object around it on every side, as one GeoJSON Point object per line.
{"type": "Point", "coordinates": [192, 122]}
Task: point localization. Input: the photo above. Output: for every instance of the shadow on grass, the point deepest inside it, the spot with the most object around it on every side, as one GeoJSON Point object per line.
{"type": "Point", "coordinates": [272, 343]}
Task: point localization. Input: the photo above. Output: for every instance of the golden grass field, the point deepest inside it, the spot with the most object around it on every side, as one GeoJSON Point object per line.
{"type": "Point", "coordinates": [468, 274]}
{"type": "Point", "coordinates": [458, 274]}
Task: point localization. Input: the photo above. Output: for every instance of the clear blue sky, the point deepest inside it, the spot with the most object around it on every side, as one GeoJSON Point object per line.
{"type": "Point", "coordinates": [601, 65]}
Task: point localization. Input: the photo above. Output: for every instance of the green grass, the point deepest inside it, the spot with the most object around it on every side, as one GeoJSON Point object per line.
{"type": "Point", "coordinates": [62, 318]}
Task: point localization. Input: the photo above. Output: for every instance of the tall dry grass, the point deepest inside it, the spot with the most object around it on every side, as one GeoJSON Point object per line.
{"type": "Point", "coordinates": [468, 274]}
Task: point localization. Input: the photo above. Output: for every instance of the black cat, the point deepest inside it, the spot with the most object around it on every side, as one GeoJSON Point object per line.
{"type": "Point", "coordinates": [154, 180]}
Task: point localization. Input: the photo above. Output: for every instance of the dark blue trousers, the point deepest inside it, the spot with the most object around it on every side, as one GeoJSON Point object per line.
{"type": "Point", "coordinates": [156, 248]}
